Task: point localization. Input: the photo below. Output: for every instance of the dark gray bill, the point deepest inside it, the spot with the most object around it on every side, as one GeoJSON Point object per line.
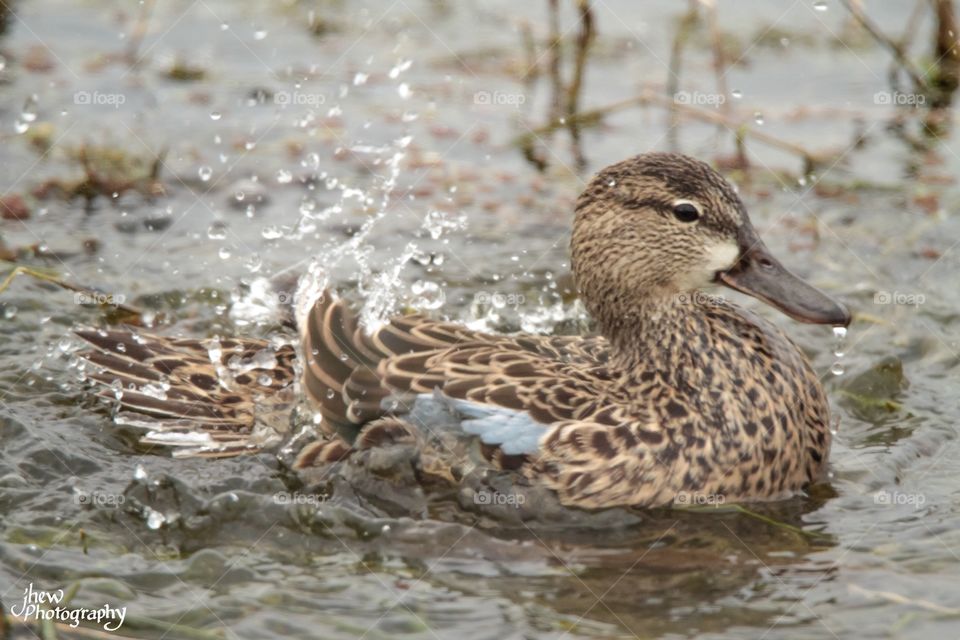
{"type": "Point", "coordinates": [759, 274]}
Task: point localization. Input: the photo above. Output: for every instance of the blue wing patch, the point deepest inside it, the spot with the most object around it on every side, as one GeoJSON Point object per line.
{"type": "Point", "coordinates": [515, 432]}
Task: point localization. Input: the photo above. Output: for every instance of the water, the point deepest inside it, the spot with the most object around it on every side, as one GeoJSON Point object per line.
{"type": "Point", "coordinates": [404, 186]}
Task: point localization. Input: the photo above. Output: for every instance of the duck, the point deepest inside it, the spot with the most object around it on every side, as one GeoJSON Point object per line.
{"type": "Point", "coordinates": [676, 396]}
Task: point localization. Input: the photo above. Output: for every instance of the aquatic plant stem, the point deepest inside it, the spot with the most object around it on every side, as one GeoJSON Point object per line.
{"type": "Point", "coordinates": [90, 293]}
{"type": "Point", "coordinates": [811, 159]}
{"type": "Point", "coordinates": [916, 77]}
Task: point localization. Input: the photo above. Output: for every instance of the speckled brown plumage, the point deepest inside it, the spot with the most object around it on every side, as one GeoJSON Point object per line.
{"type": "Point", "coordinates": [216, 398]}
{"type": "Point", "coordinates": [680, 397]}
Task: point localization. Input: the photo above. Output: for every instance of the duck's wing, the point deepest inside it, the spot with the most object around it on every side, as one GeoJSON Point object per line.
{"type": "Point", "coordinates": [342, 375]}
{"type": "Point", "coordinates": [205, 397]}
{"type": "Point", "coordinates": [509, 389]}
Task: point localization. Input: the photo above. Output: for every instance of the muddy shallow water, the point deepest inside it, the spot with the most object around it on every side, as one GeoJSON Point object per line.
{"type": "Point", "coordinates": [383, 137]}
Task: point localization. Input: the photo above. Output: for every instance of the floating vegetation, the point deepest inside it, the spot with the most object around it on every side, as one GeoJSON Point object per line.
{"type": "Point", "coordinates": [183, 70]}
{"type": "Point", "coordinates": [107, 172]}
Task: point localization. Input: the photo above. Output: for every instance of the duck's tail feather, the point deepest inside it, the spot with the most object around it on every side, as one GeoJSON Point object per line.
{"type": "Point", "coordinates": [212, 398]}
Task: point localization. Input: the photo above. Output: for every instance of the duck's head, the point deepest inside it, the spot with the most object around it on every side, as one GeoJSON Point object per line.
{"type": "Point", "coordinates": [661, 224]}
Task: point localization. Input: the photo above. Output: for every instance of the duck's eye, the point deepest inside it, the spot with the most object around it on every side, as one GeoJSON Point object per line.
{"type": "Point", "coordinates": [686, 212]}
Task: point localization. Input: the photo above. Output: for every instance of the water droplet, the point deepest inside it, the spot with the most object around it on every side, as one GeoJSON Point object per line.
{"type": "Point", "coordinates": [249, 145]}
{"type": "Point", "coordinates": [404, 91]}
{"type": "Point", "coordinates": [9, 312]}
{"type": "Point", "coordinates": [402, 66]}
{"type": "Point", "coordinates": [359, 79]}
{"type": "Point", "coordinates": [260, 34]}
{"type": "Point", "coordinates": [217, 231]}
{"type": "Point", "coordinates": [312, 161]}
{"type": "Point", "coordinates": [122, 348]}
{"type": "Point", "coordinates": [155, 519]}
{"type": "Point", "coordinates": [820, 5]}
{"type": "Point", "coordinates": [271, 232]}
{"type": "Point", "coordinates": [284, 176]}
{"type": "Point", "coordinates": [758, 117]}
{"type": "Point", "coordinates": [265, 380]}
{"type": "Point", "coordinates": [139, 473]}
{"type": "Point", "coordinates": [215, 115]}
{"type": "Point", "coordinates": [330, 394]}
{"type": "Point", "coordinates": [3, 63]}
{"type": "Point", "coordinates": [224, 253]}
{"type": "Point", "coordinates": [736, 93]}
{"type": "Point", "coordinates": [840, 339]}
{"type": "Point", "coordinates": [154, 391]}
{"type": "Point", "coordinates": [837, 369]}
{"type": "Point", "coordinates": [29, 111]}
{"type": "Point", "coordinates": [254, 263]}
{"type": "Point", "coordinates": [205, 173]}
{"type": "Point", "coordinates": [428, 295]}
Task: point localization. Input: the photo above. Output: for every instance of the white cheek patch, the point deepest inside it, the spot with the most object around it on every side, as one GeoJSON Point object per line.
{"type": "Point", "coordinates": [717, 257]}
{"type": "Point", "coordinates": [721, 256]}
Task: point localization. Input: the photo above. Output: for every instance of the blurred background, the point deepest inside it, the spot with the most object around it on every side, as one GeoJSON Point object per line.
{"type": "Point", "coordinates": [167, 159]}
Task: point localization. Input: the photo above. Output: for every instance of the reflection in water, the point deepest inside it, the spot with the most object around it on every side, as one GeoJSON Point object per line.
{"type": "Point", "coordinates": [628, 571]}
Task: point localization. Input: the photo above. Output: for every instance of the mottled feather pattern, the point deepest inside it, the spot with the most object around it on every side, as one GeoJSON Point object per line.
{"type": "Point", "coordinates": [173, 387]}
{"type": "Point", "coordinates": [720, 422]}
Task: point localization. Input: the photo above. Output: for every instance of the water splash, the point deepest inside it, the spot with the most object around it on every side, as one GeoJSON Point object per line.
{"type": "Point", "coordinates": [154, 518]}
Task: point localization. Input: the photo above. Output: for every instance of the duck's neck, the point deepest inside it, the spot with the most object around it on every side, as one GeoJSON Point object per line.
{"type": "Point", "coordinates": [668, 331]}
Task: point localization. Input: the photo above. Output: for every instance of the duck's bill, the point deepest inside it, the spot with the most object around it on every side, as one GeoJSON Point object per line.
{"type": "Point", "coordinates": [757, 273]}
